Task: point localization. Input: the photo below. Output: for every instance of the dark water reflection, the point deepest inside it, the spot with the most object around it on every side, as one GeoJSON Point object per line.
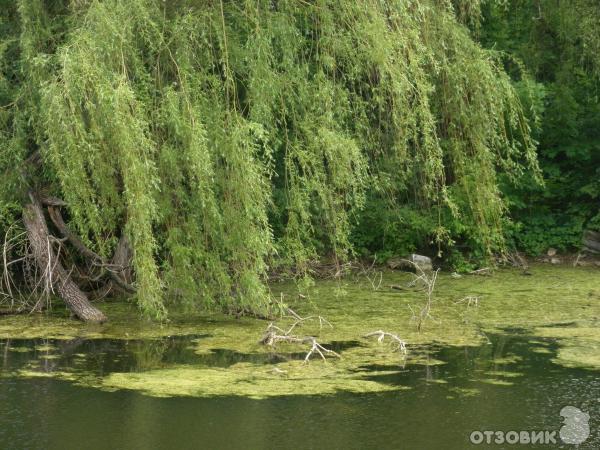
{"type": "Point", "coordinates": [101, 357]}
{"type": "Point", "coordinates": [445, 403]}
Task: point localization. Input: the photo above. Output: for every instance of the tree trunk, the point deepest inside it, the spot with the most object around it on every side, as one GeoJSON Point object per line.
{"type": "Point", "coordinates": [119, 272]}
{"type": "Point", "coordinates": [122, 257]}
{"type": "Point", "coordinates": [52, 270]}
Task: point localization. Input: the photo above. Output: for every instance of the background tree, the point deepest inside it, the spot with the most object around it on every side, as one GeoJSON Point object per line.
{"type": "Point", "coordinates": [552, 53]}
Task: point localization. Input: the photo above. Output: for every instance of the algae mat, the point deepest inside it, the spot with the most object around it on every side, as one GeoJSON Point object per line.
{"type": "Point", "coordinates": [214, 355]}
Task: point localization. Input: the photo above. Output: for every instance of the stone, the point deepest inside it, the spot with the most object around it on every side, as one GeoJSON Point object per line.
{"type": "Point", "coordinates": [424, 262]}
{"type": "Point", "coordinates": [551, 252]}
{"type": "Point", "coordinates": [591, 241]}
{"type": "Point", "coordinates": [408, 263]}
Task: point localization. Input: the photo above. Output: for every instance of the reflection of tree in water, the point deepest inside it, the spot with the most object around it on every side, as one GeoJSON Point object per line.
{"type": "Point", "coordinates": [138, 355]}
{"type": "Point", "coordinates": [100, 357]}
{"type": "Point", "coordinates": [95, 356]}
{"type": "Point", "coordinates": [148, 354]}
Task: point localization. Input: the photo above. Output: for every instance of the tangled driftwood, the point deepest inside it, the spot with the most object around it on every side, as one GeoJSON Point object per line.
{"type": "Point", "coordinates": [274, 334]}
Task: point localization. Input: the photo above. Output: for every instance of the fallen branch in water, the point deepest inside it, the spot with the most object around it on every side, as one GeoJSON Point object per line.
{"type": "Point", "coordinates": [7, 282]}
{"type": "Point", "coordinates": [383, 334]}
{"type": "Point", "coordinates": [484, 272]}
{"type": "Point", "coordinates": [274, 334]}
{"type": "Point", "coordinates": [470, 299]}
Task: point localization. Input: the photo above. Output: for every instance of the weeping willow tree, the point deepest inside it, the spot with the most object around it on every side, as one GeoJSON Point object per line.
{"type": "Point", "coordinates": [215, 141]}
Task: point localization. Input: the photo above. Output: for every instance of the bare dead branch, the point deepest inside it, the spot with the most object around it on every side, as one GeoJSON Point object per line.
{"type": "Point", "coordinates": [275, 334]}
{"type": "Point", "coordinates": [483, 272]}
{"type": "Point", "coordinates": [428, 279]}
{"type": "Point", "coordinates": [381, 335]}
{"type": "Point", "coordinates": [471, 300]}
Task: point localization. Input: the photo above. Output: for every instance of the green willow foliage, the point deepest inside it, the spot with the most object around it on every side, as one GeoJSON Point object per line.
{"type": "Point", "coordinates": [227, 138]}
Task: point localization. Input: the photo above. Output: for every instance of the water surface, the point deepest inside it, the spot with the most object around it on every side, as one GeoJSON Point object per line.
{"type": "Point", "coordinates": [530, 347]}
{"type": "Point", "coordinates": [503, 385]}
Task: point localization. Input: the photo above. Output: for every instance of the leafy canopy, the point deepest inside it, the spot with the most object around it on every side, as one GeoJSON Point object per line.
{"type": "Point", "coordinates": [226, 138]}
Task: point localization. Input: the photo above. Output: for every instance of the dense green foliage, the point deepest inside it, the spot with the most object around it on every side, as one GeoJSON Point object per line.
{"type": "Point", "coordinates": [553, 54]}
{"type": "Point", "coordinates": [229, 138]}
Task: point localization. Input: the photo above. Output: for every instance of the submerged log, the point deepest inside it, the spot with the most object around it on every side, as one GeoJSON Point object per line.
{"type": "Point", "coordinates": [55, 275]}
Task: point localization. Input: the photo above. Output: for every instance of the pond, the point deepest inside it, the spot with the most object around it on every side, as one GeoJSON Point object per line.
{"type": "Point", "coordinates": [511, 362]}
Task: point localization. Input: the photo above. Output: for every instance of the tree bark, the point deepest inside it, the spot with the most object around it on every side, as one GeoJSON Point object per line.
{"type": "Point", "coordinates": [53, 271]}
{"type": "Point", "coordinates": [121, 259]}
{"type": "Point", "coordinates": [121, 275]}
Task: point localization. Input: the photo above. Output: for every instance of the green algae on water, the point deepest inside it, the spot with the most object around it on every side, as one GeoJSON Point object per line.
{"type": "Point", "coordinates": [436, 381]}
{"type": "Point", "coordinates": [495, 381]}
{"type": "Point", "coordinates": [552, 307]}
{"type": "Point", "coordinates": [19, 349]}
{"type": "Point", "coordinates": [45, 348]}
{"type": "Point", "coordinates": [504, 374]}
{"type": "Point", "coordinates": [579, 344]}
{"type": "Point", "coordinates": [505, 360]}
{"type": "Point", "coordinates": [465, 392]}
{"type": "Point", "coordinates": [541, 350]}
{"type": "Point", "coordinates": [245, 380]}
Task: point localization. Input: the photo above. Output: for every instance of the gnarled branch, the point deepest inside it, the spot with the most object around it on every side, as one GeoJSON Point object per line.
{"type": "Point", "coordinates": [96, 259]}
